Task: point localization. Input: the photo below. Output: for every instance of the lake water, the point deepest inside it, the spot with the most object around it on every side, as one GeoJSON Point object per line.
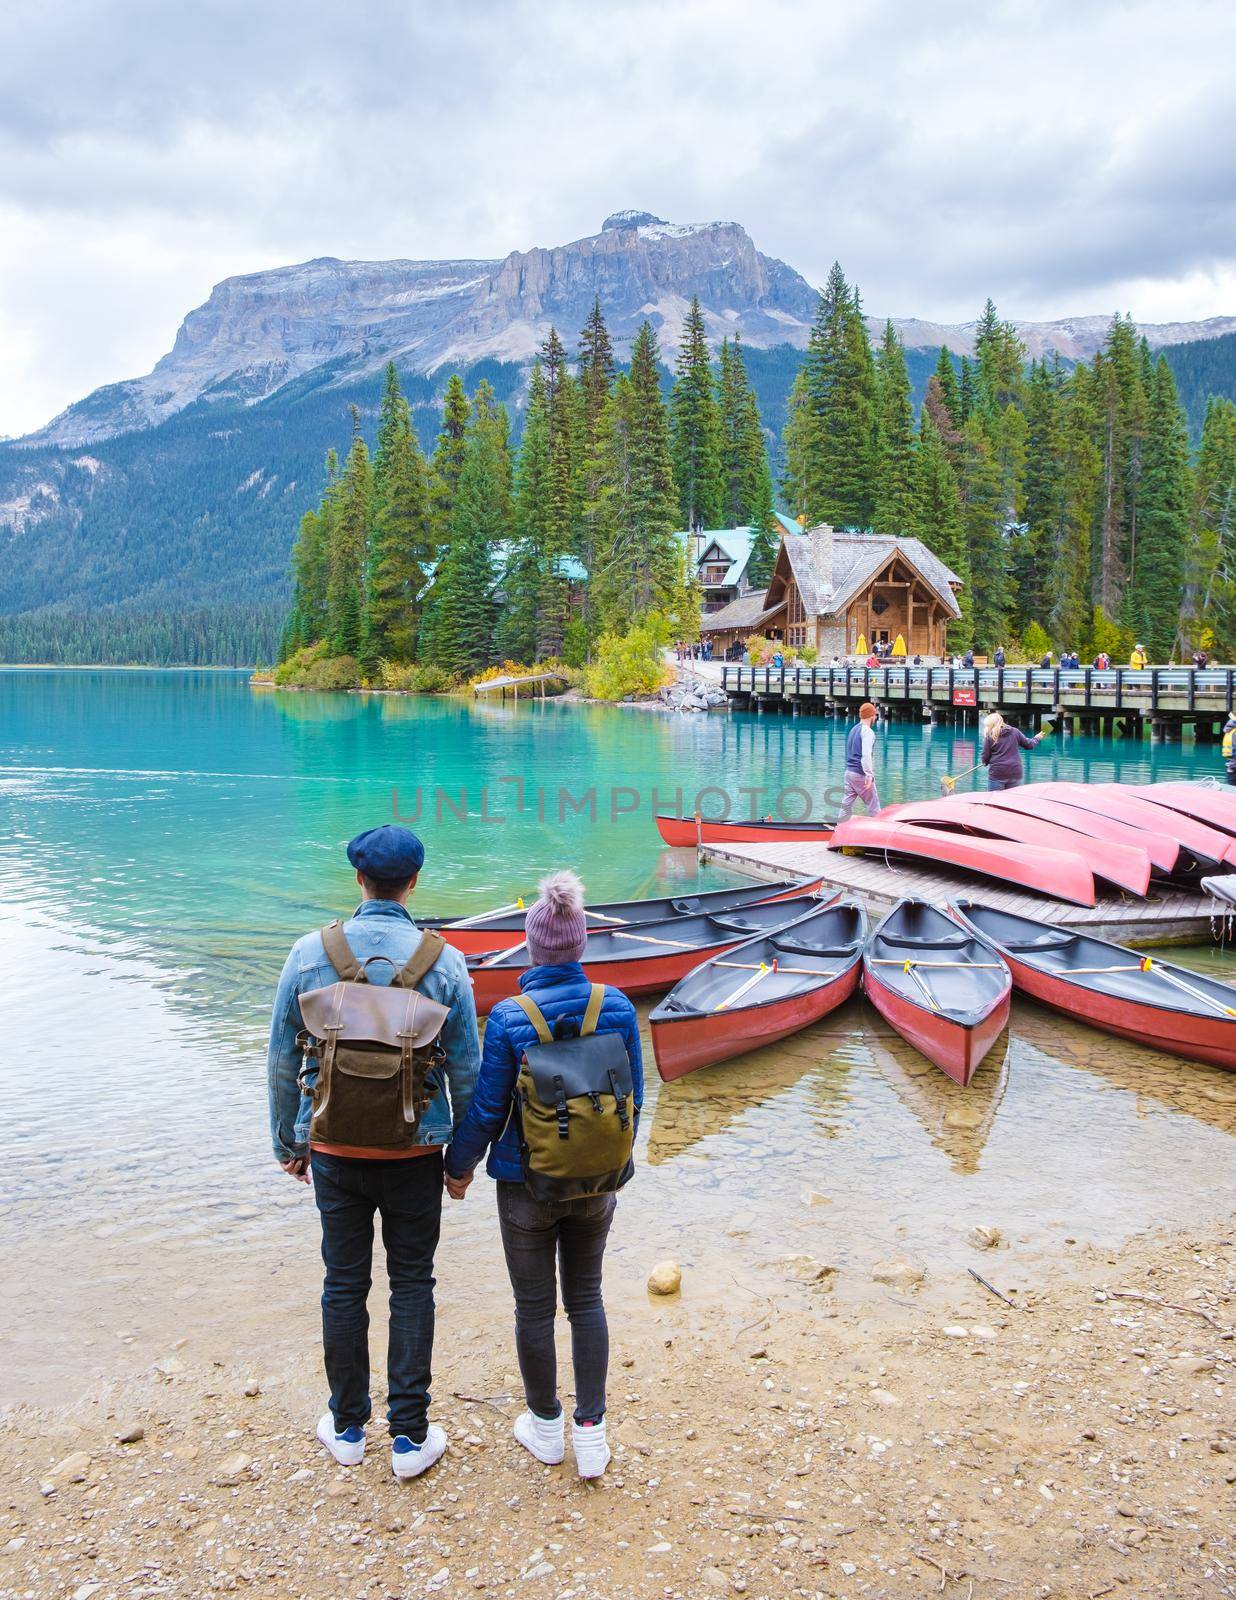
{"type": "Point", "coordinates": [164, 837]}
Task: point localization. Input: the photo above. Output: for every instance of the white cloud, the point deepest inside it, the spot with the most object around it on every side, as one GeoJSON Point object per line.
{"type": "Point", "coordinates": [1064, 157]}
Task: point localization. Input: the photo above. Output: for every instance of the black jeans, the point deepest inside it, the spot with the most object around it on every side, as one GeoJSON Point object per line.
{"type": "Point", "coordinates": [407, 1195]}
{"type": "Point", "coordinates": [534, 1232]}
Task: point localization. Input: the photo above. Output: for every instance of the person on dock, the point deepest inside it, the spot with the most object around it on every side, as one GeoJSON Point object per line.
{"type": "Point", "coordinates": [998, 658]}
{"type": "Point", "coordinates": [557, 1003]}
{"type": "Point", "coordinates": [1102, 661]}
{"type": "Point", "coordinates": [1227, 746]}
{"type": "Point", "coordinates": [1139, 659]}
{"type": "Point", "coordinates": [388, 1165]}
{"type": "Point", "coordinates": [1001, 754]}
{"type": "Point", "coordinates": [860, 781]}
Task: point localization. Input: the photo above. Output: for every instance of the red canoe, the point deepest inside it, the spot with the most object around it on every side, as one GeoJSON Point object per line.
{"type": "Point", "coordinates": [1164, 852]}
{"type": "Point", "coordinates": [1062, 874]}
{"type": "Point", "coordinates": [1125, 865]}
{"type": "Point", "coordinates": [647, 959]}
{"type": "Point", "coordinates": [1154, 1002]}
{"type": "Point", "coordinates": [687, 832]}
{"type": "Point", "coordinates": [761, 991]}
{"type": "Point", "coordinates": [503, 929]}
{"type": "Point", "coordinates": [1115, 800]}
{"type": "Point", "coordinates": [1214, 807]}
{"type": "Point", "coordinates": [942, 988]}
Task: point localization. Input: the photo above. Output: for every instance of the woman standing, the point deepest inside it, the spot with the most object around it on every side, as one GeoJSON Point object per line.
{"type": "Point", "coordinates": [1002, 748]}
{"type": "Point", "coordinates": [547, 1239]}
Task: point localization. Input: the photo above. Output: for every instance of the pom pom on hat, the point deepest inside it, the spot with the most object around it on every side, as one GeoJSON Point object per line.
{"type": "Point", "coordinates": [556, 928]}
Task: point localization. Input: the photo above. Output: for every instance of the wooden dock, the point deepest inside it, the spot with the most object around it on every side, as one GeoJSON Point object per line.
{"type": "Point", "coordinates": [530, 679]}
{"type": "Point", "coordinates": [1168, 916]}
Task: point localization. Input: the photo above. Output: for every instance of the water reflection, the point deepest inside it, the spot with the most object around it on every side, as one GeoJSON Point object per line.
{"type": "Point", "coordinates": [957, 1121]}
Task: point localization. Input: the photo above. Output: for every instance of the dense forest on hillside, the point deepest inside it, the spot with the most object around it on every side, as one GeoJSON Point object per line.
{"type": "Point", "coordinates": [200, 512]}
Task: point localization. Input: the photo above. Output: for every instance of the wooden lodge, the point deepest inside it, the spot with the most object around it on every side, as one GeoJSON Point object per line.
{"type": "Point", "coordinates": [829, 590]}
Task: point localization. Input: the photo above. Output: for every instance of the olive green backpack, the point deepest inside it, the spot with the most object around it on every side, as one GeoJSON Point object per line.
{"type": "Point", "coordinates": [374, 1046]}
{"type": "Point", "coordinates": [576, 1107]}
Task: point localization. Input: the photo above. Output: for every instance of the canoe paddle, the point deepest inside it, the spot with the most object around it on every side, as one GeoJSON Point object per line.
{"type": "Point", "coordinates": [948, 783]}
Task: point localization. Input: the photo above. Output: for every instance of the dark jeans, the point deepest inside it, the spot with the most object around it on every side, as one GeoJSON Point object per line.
{"type": "Point", "coordinates": [407, 1195]}
{"type": "Point", "coordinates": [575, 1231]}
{"type": "Point", "coordinates": [996, 784]}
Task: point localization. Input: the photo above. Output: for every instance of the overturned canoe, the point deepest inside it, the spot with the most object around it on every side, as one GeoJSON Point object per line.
{"type": "Point", "coordinates": [1208, 847]}
{"type": "Point", "coordinates": [503, 928]}
{"type": "Point", "coordinates": [761, 991]}
{"type": "Point", "coordinates": [1125, 865]}
{"type": "Point", "coordinates": [1215, 807]}
{"type": "Point", "coordinates": [943, 988]}
{"type": "Point", "coordinates": [1164, 852]}
{"type": "Point", "coordinates": [647, 959]}
{"type": "Point", "coordinates": [1121, 991]}
{"type": "Point", "coordinates": [1062, 874]}
{"type": "Point", "coordinates": [688, 832]}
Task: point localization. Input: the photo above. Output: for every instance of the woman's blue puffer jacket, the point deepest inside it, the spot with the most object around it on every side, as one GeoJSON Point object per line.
{"type": "Point", "coordinates": [559, 991]}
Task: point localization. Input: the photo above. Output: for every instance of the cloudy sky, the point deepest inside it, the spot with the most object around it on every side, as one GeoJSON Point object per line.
{"type": "Point", "coordinates": [1065, 156]}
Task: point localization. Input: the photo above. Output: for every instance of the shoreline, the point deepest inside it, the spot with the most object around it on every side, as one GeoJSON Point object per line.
{"type": "Point", "coordinates": [769, 1438]}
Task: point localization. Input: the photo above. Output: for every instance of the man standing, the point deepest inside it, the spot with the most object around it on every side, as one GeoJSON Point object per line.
{"type": "Point", "coordinates": [860, 781]}
{"type": "Point", "coordinates": [353, 1182]}
{"type": "Point", "coordinates": [1228, 747]}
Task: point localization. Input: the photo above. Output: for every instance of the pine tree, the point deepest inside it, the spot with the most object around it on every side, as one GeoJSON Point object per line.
{"type": "Point", "coordinates": [1213, 597]}
{"type": "Point", "coordinates": [979, 484]}
{"type": "Point", "coordinates": [838, 465]}
{"type": "Point", "coordinates": [401, 546]}
{"type": "Point", "coordinates": [798, 442]}
{"type": "Point", "coordinates": [638, 560]}
{"type": "Point", "coordinates": [1067, 558]}
{"type": "Point", "coordinates": [353, 511]}
{"type": "Point", "coordinates": [939, 518]}
{"type": "Point", "coordinates": [462, 623]}
{"type": "Point", "coordinates": [895, 482]}
{"type": "Point", "coordinates": [1119, 369]}
{"type": "Point", "coordinates": [999, 357]}
{"type": "Point", "coordinates": [1158, 558]}
{"type": "Point", "coordinates": [562, 511]}
{"type": "Point", "coordinates": [448, 453]}
{"type": "Point", "coordinates": [949, 391]}
{"type": "Point", "coordinates": [696, 429]}
{"type": "Point", "coordinates": [1035, 544]}
{"type": "Point", "coordinates": [747, 495]}
{"type": "Point", "coordinates": [596, 377]}
{"type": "Point", "coordinates": [307, 620]}
{"type": "Point", "coordinates": [966, 399]}
{"type": "Point", "coordinates": [517, 628]}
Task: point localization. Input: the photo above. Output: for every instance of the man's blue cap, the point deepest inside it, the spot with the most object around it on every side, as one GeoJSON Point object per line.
{"type": "Point", "coordinates": [388, 853]}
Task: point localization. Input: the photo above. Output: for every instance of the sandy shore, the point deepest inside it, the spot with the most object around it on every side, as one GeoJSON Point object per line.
{"type": "Point", "coordinates": [771, 1439]}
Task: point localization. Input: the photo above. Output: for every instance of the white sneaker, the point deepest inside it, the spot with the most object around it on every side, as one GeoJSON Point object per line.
{"type": "Point", "coordinates": [592, 1453]}
{"type": "Point", "coordinates": [546, 1440]}
{"type": "Point", "coordinates": [409, 1460]}
{"type": "Point", "coordinates": [348, 1447]}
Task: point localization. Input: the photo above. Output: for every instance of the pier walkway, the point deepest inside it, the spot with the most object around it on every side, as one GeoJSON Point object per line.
{"type": "Point", "coordinates": [1115, 699]}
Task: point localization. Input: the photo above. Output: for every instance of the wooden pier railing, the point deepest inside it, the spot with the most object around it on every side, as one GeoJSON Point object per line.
{"type": "Point", "coordinates": [1169, 693]}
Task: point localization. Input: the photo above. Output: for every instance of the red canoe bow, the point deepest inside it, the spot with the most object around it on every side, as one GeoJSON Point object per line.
{"type": "Point", "coordinates": [1060, 874]}
{"type": "Point", "coordinates": [688, 832]}
{"type": "Point", "coordinates": [1164, 851]}
{"type": "Point", "coordinates": [1116, 800]}
{"type": "Point", "coordinates": [1211, 806]}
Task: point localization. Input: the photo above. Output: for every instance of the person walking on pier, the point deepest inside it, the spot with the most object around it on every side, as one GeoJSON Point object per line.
{"type": "Point", "coordinates": [1139, 659]}
{"type": "Point", "coordinates": [1228, 746]}
{"type": "Point", "coordinates": [1002, 748]}
{"type": "Point", "coordinates": [860, 781]}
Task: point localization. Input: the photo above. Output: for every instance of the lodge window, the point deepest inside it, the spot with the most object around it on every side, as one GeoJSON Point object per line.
{"type": "Point", "coordinates": [795, 611]}
{"type": "Point", "coordinates": [715, 574]}
{"type": "Point", "coordinates": [798, 636]}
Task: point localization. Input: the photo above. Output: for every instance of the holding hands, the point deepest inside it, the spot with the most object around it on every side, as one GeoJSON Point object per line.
{"type": "Point", "coordinates": [457, 1187]}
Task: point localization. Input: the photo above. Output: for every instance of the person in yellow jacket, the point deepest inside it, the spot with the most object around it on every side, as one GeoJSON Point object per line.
{"type": "Point", "coordinates": [1228, 747]}
{"type": "Point", "coordinates": [1139, 658]}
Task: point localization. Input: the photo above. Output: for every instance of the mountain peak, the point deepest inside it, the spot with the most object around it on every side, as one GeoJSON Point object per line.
{"type": "Point", "coordinates": [630, 219]}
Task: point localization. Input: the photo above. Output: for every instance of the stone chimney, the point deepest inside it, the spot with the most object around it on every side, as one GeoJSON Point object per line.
{"type": "Point", "coordinates": [821, 537]}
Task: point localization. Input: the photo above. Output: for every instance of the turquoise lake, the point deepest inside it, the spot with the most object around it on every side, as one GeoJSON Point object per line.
{"type": "Point", "coordinates": [164, 837]}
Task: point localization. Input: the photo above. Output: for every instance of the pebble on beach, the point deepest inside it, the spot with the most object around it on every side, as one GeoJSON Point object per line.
{"type": "Point", "coordinates": [898, 1274]}
{"type": "Point", "coordinates": [665, 1278]}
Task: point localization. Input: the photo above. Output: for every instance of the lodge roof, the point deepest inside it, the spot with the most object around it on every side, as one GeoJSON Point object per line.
{"type": "Point", "coordinates": [745, 612]}
{"type": "Point", "coordinates": [732, 542]}
{"type": "Point", "coordinates": [857, 559]}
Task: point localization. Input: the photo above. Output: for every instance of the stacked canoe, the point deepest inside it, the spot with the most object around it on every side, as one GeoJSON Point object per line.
{"type": "Point", "coordinates": [1063, 840]}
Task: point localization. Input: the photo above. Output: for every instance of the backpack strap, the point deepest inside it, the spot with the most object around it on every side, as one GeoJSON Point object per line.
{"type": "Point", "coordinates": [592, 1012]}
{"type": "Point", "coordinates": [340, 954]}
{"type": "Point", "coordinates": [422, 958]}
{"type": "Point", "coordinates": [533, 1012]}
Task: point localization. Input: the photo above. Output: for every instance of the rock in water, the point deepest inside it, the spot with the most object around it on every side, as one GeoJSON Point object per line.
{"type": "Point", "coordinates": [665, 1278]}
{"type": "Point", "coordinates": [898, 1274]}
{"type": "Point", "coordinates": [984, 1237]}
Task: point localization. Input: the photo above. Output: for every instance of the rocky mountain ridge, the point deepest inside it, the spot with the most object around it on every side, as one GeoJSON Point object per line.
{"type": "Point", "coordinates": [342, 320]}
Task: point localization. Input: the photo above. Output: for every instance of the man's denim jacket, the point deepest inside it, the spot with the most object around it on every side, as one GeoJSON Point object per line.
{"type": "Point", "coordinates": [380, 927]}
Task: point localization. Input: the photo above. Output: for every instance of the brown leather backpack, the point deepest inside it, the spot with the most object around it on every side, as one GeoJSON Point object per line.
{"type": "Point", "coordinates": [373, 1046]}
